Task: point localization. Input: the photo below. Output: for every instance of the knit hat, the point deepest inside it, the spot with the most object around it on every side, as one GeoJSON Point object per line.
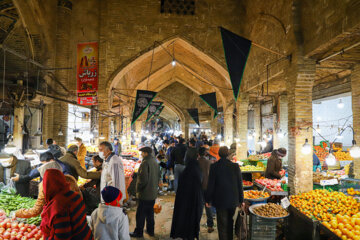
{"type": "Point", "coordinates": [109, 194]}
{"type": "Point", "coordinates": [281, 152]}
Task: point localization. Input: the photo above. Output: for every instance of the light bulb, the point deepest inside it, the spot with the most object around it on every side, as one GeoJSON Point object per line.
{"type": "Point", "coordinates": [60, 133]}
{"type": "Point", "coordinates": [218, 136]}
{"type": "Point", "coordinates": [340, 104]}
{"type": "Point", "coordinates": [318, 129]}
{"type": "Point", "coordinates": [250, 137]}
{"type": "Point", "coordinates": [338, 136]}
{"type": "Point", "coordinates": [355, 150]}
{"type": "Point", "coordinates": [330, 160]}
{"type": "Point", "coordinates": [318, 118]}
{"type": "Point", "coordinates": [237, 140]}
{"type": "Point", "coordinates": [173, 63]}
{"type": "Point", "coordinates": [306, 148]}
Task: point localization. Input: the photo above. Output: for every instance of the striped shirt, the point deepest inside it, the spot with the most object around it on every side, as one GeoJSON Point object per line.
{"type": "Point", "coordinates": [72, 224]}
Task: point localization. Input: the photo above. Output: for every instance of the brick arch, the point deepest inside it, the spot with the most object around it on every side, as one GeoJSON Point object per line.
{"type": "Point", "coordinates": [189, 57]}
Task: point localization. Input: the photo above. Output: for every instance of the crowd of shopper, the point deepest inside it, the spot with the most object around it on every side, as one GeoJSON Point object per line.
{"type": "Point", "coordinates": [198, 171]}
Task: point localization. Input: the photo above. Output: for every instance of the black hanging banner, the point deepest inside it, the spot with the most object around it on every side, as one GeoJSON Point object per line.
{"type": "Point", "coordinates": [154, 106]}
{"type": "Point", "coordinates": [210, 99]}
{"type": "Point", "coordinates": [142, 101]}
{"type": "Point", "coordinates": [236, 50]}
{"type": "Point", "coordinates": [158, 112]}
{"type": "Point", "coordinates": [194, 114]}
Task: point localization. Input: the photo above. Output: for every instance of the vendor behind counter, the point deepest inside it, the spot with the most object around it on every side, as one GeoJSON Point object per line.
{"type": "Point", "coordinates": [274, 164]}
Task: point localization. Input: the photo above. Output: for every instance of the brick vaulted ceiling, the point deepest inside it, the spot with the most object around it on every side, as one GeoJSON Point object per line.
{"type": "Point", "coordinates": [194, 73]}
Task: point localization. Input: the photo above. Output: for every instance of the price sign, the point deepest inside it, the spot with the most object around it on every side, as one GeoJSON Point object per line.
{"type": "Point", "coordinates": [329, 182]}
{"type": "Point", "coordinates": [285, 203]}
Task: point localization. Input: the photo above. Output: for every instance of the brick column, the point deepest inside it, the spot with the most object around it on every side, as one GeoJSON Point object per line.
{"type": "Point", "coordinates": [18, 126]}
{"type": "Point", "coordinates": [185, 127]}
{"type": "Point", "coordinates": [242, 126]}
{"type": "Point", "coordinates": [257, 125]}
{"type": "Point", "coordinates": [300, 79]}
{"type": "Point", "coordinates": [283, 124]}
{"type": "Point", "coordinates": [355, 94]}
{"type": "Point", "coordinates": [62, 59]}
{"type": "Point", "coordinates": [229, 125]}
{"type": "Point", "coordinates": [214, 126]}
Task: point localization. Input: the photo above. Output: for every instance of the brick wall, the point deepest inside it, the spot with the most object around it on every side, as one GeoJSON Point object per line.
{"type": "Point", "coordinates": [355, 91]}
{"type": "Point", "coordinates": [242, 126]}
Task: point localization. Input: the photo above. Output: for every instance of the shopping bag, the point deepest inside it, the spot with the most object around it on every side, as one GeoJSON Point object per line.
{"type": "Point", "coordinates": [9, 188]}
{"type": "Point", "coordinates": [240, 223]}
{"type": "Point", "coordinates": [157, 207]}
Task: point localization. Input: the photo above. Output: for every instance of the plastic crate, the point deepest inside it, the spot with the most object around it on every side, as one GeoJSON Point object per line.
{"type": "Point", "coordinates": [349, 183]}
{"type": "Point", "coordinates": [329, 188]}
{"type": "Point", "coordinates": [262, 228]}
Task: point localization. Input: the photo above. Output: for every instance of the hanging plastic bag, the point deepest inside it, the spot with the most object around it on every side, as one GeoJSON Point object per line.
{"type": "Point", "coordinates": [9, 188]}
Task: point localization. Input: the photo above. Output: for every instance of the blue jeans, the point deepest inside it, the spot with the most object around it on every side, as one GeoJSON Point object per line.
{"type": "Point", "coordinates": [209, 215]}
{"type": "Point", "coordinates": [178, 169]}
{"type": "Point", "coordinates": [171, 182]}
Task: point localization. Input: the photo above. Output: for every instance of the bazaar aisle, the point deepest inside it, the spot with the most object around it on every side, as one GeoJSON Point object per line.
{"type": "Point", "coordinates": [163, 221]}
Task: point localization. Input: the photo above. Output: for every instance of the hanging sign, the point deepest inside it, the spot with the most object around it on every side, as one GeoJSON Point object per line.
{"type": "Point", "coordinates": [194, 114]}
{"type": "Point", "coordinates": [142, 101]}
{"type": "Point", "coordinates": [236, 50]}
{"type": "Point", "coordinates": [285, 203]}
{"type": "Point", "coordinates": [158, 112]}
{"type": "Point", "coordinates": [154, 106]}
{"type": "Point", "coordinates": [210, 99]}
{"type": "Point", "coordinates": [87, 73]}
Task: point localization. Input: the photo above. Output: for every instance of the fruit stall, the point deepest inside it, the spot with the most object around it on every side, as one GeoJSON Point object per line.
{"type": "Point", "coordinates": [331, 214]}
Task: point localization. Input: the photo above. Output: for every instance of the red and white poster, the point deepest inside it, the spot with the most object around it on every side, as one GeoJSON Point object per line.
{"type": "Point", "coordinates": [87, 73]}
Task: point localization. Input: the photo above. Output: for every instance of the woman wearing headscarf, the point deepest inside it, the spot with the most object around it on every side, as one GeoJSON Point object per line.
{"type": "Point", "coordinates": [188, 203]}
{"type": "Point", "coordinates": [274, 164]}
{"type": "Point", "coordinates": [40, 201]}
{"type": "Point", "coordinates": [64, 215]}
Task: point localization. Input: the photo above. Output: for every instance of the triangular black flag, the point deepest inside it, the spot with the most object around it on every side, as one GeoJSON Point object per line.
{"type": "Point", "coordinates": [210, 99]}
{"type": "Point", "coordinates": [142, 101]}
{"type": "Point", "coordinates": [236, 50]}
{"type": "Point", "coordinates": [194, 114]}
{"type": "Point", "coordinates": [158, 112]}
{"type": "Point", "coordinates": [154, 106]}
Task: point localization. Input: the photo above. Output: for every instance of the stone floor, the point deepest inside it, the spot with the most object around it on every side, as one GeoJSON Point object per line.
{"type": "Point", "coordinates": [163, 221]}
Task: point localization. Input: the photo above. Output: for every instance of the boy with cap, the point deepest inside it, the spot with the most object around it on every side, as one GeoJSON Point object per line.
{"type": "Point", "coordinates": [109, 221]}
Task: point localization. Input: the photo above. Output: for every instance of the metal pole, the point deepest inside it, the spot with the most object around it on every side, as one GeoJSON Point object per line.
{"type": "Point", "coordinates": [339, 52]}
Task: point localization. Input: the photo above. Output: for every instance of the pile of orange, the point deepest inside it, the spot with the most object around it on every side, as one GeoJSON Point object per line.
{"type": "Point", "coordinates": [352, 192]}
{"type": "Point", "coordinates": [321, 153]}
{"type": "Point", "coordinates": [345, 227]}
{"type": "Point", "coordinates": [342, 156]}
{"type": "Point", "coordinates": [253, 194]}
{"type": "Point", "coordinates": [323, 204]}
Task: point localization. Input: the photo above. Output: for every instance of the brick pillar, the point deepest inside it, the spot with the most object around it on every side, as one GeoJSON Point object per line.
{"type": "Point", "coordinates": [355, 94]}
{"type": "Point", "coordinates": [283, 124]}
{"type": "Point", "coordinates": [275, 136]}
{"type": "Point", "coordinates": [185, 127]}
{"type": "Point", "coordinates": [62, 59]}
{"type": "Point", "coordinates": [242, 126]}
{"type": "Point", "coordinates": [257, 125]}
{"type": "Point", "coordinates": [214, 126]}
{"type": "Point", "coordinates": [300, 79]}
{"type": "Point", "coordinates": [229, 125]}
{"type": "Point", "coordinates": [18, 126]}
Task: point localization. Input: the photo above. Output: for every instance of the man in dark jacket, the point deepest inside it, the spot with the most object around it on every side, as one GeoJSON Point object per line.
{"type": "Point", "coordinates": [170, 164]}
{"type": "Point", "coordinates": [178, 155]}
{"type": "Point", "coordinates": [205, 164]}
{"type": "Point", "coordinates": [9, 167]}
{"type": "Point", "coordinates": [225, 192]}
{"type": "Point", "coordinates": [53, 148]}
{"type": "Point", "coordinates": [146, 191]}
{"type": "Point", "coordinates": [192, 151]}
